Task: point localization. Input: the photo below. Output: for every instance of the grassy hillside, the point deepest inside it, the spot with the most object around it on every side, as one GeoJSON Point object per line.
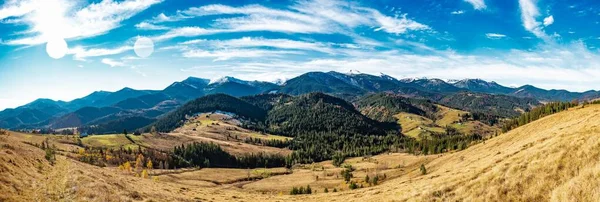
{"type": "Point", "coordinates": [208, 103]}
{"type": "Point", "coordinates": [552, 159]}
{"type": "Point", "coordinates": [383, 107]}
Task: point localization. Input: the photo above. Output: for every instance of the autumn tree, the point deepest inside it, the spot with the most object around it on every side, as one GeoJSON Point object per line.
{"type": "Point", "coordinates": [139, 163]}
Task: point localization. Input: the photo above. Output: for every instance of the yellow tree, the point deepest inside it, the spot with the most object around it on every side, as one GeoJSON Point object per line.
{"type": "Point", "coordinates": [144, 174]}
{"type": "Point", "coordinates": [127, 166]}
{"type": "Point", "coordinates": [149, 165]}
{"type": "Point", "coordinates": [139, 163]}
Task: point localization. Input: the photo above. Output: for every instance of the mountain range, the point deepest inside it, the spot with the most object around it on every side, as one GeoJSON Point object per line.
{"type": "Point", "coordinates": [102, 107]}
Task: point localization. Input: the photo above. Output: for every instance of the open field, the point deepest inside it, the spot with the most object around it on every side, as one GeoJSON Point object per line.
{"type": "Point", "coordinates": [225, 131]}
{"type": "Point", "coordinates": [552, 159]}
{"type": "Point", "coordinates": [419, 126]}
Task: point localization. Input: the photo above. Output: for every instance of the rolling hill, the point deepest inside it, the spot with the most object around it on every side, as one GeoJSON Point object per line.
{"type": "Point", "coordinates": [551, 159]}
{"type": "Point", "coordinates": [209, 103]}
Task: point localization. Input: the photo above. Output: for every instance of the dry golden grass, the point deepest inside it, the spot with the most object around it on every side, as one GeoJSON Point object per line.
{"type": "Point", "coordinates": [226, 132]}
{"type": "Point", "coordinates": [446, 115]}
{"type": "Point", "coordinates": [111, 141]}
{"type": "Point", "coordinates": [553, 159]}
{"type": "Point", "coordinates": [418, 126]}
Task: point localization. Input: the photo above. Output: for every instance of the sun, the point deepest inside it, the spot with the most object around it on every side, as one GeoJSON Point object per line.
{"type": "Point", "coordinates": [56, 48]}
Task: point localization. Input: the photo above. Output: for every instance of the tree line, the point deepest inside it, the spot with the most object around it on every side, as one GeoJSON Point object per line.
{"type": "Point", "coordinates": [537, 113]}
{"type": "Point", "coordinates": [204, 155]}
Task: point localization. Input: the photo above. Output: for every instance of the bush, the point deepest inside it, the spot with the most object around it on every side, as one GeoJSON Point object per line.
{"type": "Point", "coordinates": [50, 155]}
{"type": "Point", "coordinates": [347, 173]}
{"type": "Point", "coordinates": [337, 159]}
{"type": "Point", "coordinates": [353, 185]}
{"type": "Point", "coordinates": [301, 190]}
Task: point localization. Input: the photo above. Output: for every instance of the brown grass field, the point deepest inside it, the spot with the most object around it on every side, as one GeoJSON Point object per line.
{"type": "Point", "coordinates": [553, 159]}
{"type": "Point", "coordinates": [418, 126]}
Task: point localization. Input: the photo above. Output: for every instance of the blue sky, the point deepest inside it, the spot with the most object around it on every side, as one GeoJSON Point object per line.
{"type": "Point", "coordinates": [552, 44]}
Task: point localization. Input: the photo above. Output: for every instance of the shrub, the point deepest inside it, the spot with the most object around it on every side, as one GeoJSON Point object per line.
{"type": "Point", "coordinates": [353, 185]}
{"type": "Point", "coordinates": [337, 159]}
{"type": "Point", "coordinates": [50, 155]}
{"type": "Point", "coordinates": [144, 173]}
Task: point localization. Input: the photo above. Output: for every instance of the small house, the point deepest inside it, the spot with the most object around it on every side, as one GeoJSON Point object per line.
{"type": "Point", "coordinates": [82, 135]}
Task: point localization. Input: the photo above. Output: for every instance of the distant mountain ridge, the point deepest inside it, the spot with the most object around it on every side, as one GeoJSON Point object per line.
{"type": "Point", "coordinates": [129, 102]}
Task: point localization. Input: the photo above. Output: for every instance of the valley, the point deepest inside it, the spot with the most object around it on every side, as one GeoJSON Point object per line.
{"type": "Point", "coordinates": [542, 160]}
{"type": "Point", "coordinates": [314, 146]}
{"type": "Point", "coordinates": [299, 100]}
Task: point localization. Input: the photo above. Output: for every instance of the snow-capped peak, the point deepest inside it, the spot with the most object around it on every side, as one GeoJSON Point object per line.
{"type": "Point", "coordinates": [226, 79]}
{"type": "Point", "coordinates": [280, 81]}
{"type": "Point", "coordinates": [354, 72]}
{"type": "Point", "coordinates": [385, 76]}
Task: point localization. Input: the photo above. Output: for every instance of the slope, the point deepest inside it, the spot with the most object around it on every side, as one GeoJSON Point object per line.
{"type": "Point", "coordinates": [552, 159]}
{"type": "Point", "coordinates": [209, 103]}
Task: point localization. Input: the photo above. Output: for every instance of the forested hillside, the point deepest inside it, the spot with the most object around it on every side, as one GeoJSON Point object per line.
{"type": "Point", "coordinates": [208, 103]}
{"type": "Point", "coordinates": [384, 106]}
{"type": "Point", "coordinates": [318, 112]}
{"type": "Point", "coordinates": [499, 105]}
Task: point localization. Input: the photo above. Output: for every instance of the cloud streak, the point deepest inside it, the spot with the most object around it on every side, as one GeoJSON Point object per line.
{"type": "Point", "coordinates": [477, 4]}
{"type": "Point", "coordinates": [305, 17]}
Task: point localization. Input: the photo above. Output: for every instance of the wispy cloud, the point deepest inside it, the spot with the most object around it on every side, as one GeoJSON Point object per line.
{"type": "Point", "coordinates": [316, 16]}
{"type": "Point", "coordinates": [66, 19]}
{"type": "Point", "coordinates": [458, 12]}
{"type": "Point", "coordinates": [529, 15]}
{"type": "Point", "coordinates": [260, 42]}
{"type": "Point", "coordinates": [495, 36]}
{"type": "Point", "coordinates": [227, 54]}
{"type": "Point", "coordinates": [112, 63]}
{"type": "Point", "coordinates": [81, 53]}
{"type": "Point", "coordinates": [149, 26]}
{"type": "Point", "coordinates": [477, 4]}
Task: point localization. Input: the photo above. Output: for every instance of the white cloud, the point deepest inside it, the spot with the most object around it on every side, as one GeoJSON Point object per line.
{"type": "Point", "coordinates": [227, 54]}
{"type": "Point", "coordinates": [477, 4]}
{"type": "Point", "coordinates": [112, 63]}
{"type": "Point", "coordinates": [316, 16]}
{"type": "Point", "coordinates": [15, 8]}
{"type": "Point", "coordinates": [548, 21]}
{"type": "Point", "coordinates": [397, 25]}
{"type": "Point", "coordinates": [185, 32]}
{"type": "Point", "coordinates": [495, 36]}
{"type": "Point", "coordinates": [149, 26]}
{"type": "Point", "coordinates": [221, 55]}
{"type": "Point", "coordinates": [162, 18]}
{"type": "Point", "coordinates": [66, 19]}
{"type": "Point", "coordinates": [257, 42]}
{"type": "Point", "coordinates": [529, 13]}
{"type": "Point", "coordinates": [81, 53]}
{"type": "Point", "coordinates": [458, 12]}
